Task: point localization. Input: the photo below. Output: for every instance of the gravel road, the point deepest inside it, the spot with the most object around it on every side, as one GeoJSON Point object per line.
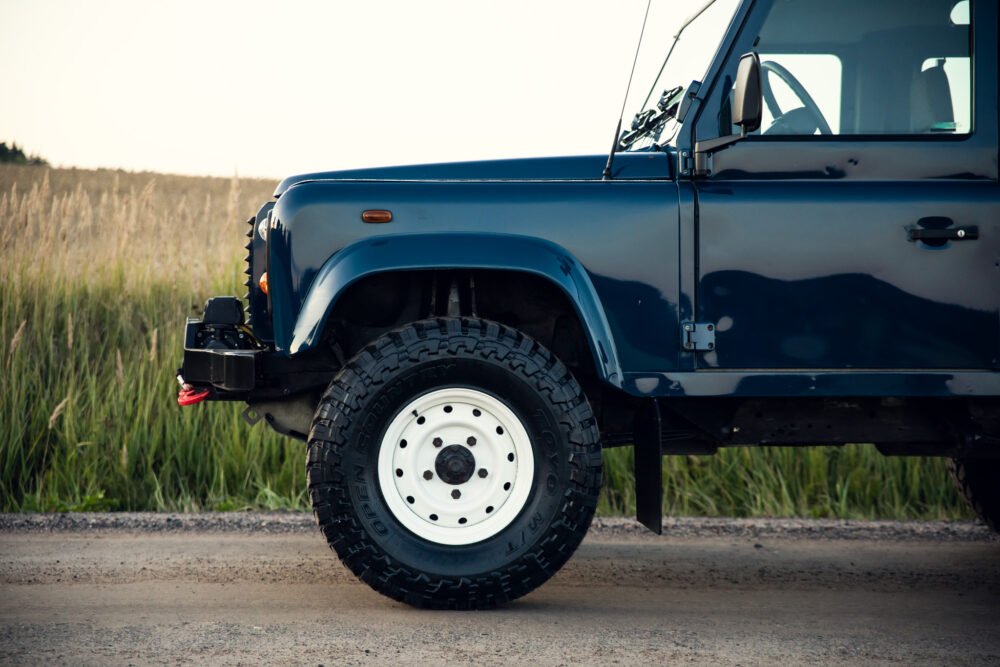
{"type": "Point", "coordinates": [246, 588]}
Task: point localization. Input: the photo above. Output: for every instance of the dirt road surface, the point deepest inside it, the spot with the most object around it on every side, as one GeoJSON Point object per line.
{"type": "Point", "coordinates": [264, 589]}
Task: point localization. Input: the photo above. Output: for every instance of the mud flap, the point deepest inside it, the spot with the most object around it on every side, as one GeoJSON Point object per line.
{"type": "Point", "coordinates": [648, 459]}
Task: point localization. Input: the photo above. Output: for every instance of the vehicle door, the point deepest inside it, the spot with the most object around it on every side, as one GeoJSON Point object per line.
{"type": "Point", "coordinates": [859, 228]}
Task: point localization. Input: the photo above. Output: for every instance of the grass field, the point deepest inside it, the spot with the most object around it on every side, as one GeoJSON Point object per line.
{"type": "Point", "coordinates": [98, 270]}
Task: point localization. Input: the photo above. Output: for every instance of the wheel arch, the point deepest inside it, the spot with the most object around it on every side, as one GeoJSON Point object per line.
{"type": "Point", "coordinates": [448, 252]}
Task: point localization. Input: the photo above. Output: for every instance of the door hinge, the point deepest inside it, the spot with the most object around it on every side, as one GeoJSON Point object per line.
{"type": "Point", "coordinates": [694, 164]}
{"type": "Point", "coordinates": [697, 336]}
{"type": "Point", "coordinates": [685, 163]}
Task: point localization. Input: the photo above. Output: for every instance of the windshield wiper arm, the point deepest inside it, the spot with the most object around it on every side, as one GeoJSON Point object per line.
{"type": "Point", "coordinates": [646, 122]}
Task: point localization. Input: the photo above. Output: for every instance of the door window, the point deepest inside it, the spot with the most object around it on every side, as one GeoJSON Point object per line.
{"type": "Point", "coordinates": [857, 67]}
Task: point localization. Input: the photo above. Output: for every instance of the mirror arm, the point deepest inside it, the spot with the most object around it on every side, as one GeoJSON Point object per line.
{"type": "Point", "coordinates": [703, 151]}
{"type": "Point", "coordinates": [716, 145]}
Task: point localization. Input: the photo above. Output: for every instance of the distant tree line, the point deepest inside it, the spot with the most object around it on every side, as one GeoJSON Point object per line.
{"type": "Point", "coordinates": [13, 154]}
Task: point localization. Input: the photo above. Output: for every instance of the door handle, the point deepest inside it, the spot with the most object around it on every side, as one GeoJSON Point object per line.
{"type": "Point", "coordinates": [950, 234]}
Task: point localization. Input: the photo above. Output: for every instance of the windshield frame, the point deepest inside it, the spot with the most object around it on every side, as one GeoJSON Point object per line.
{"type": "Point", "coordinates": [693, 94]}
{"type": "Point", "coordinates": [677, 37]}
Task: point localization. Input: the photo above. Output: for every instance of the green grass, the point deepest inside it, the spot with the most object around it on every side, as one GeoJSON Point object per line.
{"type": "Point", "coordinates": [98, 271]}
{"type": "Point", "coordinates": [119, 441]}
{"type": "Point", "coordinates": [851, 482]}
{"type": "Point", "coordinates": [81, 431]}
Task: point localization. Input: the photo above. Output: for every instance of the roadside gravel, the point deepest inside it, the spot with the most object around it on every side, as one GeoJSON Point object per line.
{"type": "Point", "coordinates": [263, 588]}
{"type": "Point", "coordinates": [302, 522]}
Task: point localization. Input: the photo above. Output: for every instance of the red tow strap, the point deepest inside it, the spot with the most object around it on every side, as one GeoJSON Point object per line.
{"type": "Point", "coordinates": [192, 396]}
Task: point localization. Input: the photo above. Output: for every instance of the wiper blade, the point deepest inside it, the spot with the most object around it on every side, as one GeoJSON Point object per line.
{"type": "Point", "coordinates": [646, 122]}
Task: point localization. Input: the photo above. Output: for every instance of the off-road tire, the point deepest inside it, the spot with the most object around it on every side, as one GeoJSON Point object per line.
{"type": "Point", "coordinates": [367, 395]}
{"type": "Point", "coordinates": [979, 482]}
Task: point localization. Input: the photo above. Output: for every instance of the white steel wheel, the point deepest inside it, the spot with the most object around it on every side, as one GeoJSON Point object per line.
{"type": "Point", "coordinates": [454, 463]}
{"type": "Point", "coordinates": [455, 466]}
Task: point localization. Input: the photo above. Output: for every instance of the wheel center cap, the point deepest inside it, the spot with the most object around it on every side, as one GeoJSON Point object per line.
{"type": "Point", "coordinates": [455, 464]}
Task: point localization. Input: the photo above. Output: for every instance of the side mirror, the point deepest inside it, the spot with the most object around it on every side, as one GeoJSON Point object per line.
{"type": "Point", "coordinates": [747, 106]}
{"type": "Point", "coordinates": [747, 111]}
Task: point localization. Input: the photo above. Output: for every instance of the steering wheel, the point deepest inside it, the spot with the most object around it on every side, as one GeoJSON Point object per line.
{"type": "Point", "coordinates": [809, 105]}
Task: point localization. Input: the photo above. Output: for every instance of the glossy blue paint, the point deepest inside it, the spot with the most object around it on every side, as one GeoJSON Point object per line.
{"type": "Point", "coordinates": [823, 275]}
{"type": "Point", "coordinates": [257, 307]}
{"type": "Point", "coordinates": [473, 251]}
{"type": "Point", "coordinates": [627, 166]}
{"type": "Point", "coordinates": [496, 224]}
{"type": "Point", "coordinates": [827, 383]}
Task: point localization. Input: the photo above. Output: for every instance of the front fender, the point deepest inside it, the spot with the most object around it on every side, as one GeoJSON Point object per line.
{"type": "Point", "coordinates": [452, 251]}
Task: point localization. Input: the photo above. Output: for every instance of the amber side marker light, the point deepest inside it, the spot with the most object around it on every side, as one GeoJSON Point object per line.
{"type": "Point", "coordinates": [263, 282]}
{"type": "Point", "coordinates": [376, 215]}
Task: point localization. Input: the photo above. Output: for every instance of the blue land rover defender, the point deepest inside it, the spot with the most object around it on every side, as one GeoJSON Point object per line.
{"type": "Point", "coordinates": [801, 247]}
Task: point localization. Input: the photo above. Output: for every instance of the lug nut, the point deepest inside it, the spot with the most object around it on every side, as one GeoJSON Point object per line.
{"type": "Point", "coordinates": [482, 472]}
{"type": "Point", "coordinates": [456, 494]}
{"type": "Point", "coordinates": [438, 442]}
{"type": "Point", "coordinates": [428, 474]}
{"type": "Point", "coordinates": [471, 441]}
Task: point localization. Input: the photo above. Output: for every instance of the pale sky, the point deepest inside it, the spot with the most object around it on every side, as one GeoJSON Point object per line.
{"type": "Point", "coordinates": [269, 89]}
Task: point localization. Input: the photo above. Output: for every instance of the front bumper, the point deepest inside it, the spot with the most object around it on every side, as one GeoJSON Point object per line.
{"type": "Point", "coordinates": [228, 371]}
{"type": "Point", "coordinates": [223, 356]}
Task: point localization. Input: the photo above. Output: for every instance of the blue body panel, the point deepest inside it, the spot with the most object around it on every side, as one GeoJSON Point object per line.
{"type": "Point", "coordinates": [570, 231]}
{"type": "Point", "coordinates": [475, 251]}
{"type": "Point", "coordinates": [627, 166]}
{"type": "Point", "coordinates": [844, 286]}
{"type": "Point", "coordinates": [626, 254]}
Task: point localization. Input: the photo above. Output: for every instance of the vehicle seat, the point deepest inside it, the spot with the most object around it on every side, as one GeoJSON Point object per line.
{"type": "Point", "coordinates": [930, 101]}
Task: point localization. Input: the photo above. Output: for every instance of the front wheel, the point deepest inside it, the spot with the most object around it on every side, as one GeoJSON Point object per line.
{"type": "Point", "coordinates": [454, 463]}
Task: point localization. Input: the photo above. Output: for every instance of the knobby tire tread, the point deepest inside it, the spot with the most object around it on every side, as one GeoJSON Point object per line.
{"type": "Point", "coordinates": [378, 363]}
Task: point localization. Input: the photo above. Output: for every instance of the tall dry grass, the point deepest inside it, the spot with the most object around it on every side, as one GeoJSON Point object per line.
{"type": "Point", "coordinates": [87, 224]}
{"type": "Point", "coordinates": [98, 270]}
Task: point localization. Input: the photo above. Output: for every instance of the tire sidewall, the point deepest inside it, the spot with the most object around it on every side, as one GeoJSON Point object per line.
{"type": "Point", "coordinates": [550, 448]}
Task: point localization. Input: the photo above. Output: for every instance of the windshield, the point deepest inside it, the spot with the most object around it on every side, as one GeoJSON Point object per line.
{"type": "Point", "coordinates": [669, 68]}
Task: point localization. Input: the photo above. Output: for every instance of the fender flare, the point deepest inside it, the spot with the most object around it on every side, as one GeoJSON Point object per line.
{"type": "Point", "coordinates": [453, 251]}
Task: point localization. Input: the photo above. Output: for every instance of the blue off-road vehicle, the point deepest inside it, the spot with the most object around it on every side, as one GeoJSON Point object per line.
{"type": "Point", "coordinates": [802, 247]}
